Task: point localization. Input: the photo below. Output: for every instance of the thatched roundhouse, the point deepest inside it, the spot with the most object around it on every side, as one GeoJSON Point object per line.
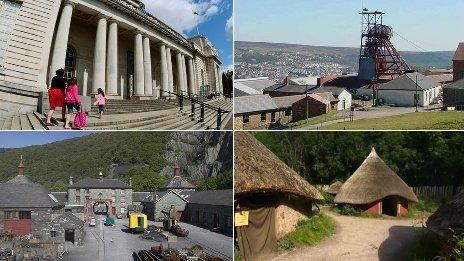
{"type": "Point", "coordinates": [335, 187]}
{"type": "Point", "coordinates": [449, 218]}
{"type": "Point", "coordinates": [274, 196]}
{"type": "Point", "coordinates": [376, 188]}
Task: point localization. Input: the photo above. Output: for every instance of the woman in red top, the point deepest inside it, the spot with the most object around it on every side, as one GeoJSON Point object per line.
{"type": "Point", "coordinates": [56, 95]}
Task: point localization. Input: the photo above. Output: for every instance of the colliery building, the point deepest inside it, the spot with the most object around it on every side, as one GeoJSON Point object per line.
{"type": "Point", "coordinates": [115, 45]}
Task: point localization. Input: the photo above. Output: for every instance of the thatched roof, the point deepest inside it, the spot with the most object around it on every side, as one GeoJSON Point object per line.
{"type": "Point", "coordinates": [258, 170]}
{"type": "Point", "coordinates": [335, 187]}
{"type": "Point", "coordinates": [372, 181]}
{"type": "Point", "coordinates": [449, 216]}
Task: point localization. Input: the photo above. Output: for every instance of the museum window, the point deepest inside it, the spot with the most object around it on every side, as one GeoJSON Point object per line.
{"type": "Point", "coordinates": [246, 118]}
{"type": "Point", "coordinates": [87, 191]}
{"type": "Point", "coordinates": [263, 116]}
{"type": "Point", "coordinates": [70, 62]}
{"type": "Point", "coordinates": [8, 15]}
{"type": "Point", "coordinates": [288, 112]}
{"type": "Point", "coordinates": [53, 233]}
{"type": "Point", "coordinates": [78, 199]}
{"type": "Point", "coordinates": [24, 214]}
{"type": "Point", "coordinates": [78, 191]}
{"type": "Point", "coordinates": [11, 215]}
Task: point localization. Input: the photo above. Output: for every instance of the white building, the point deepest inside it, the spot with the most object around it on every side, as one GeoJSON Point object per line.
{"type": "Point", "coordinates": [401, 91]}
{"type": "Point", "coordinates": [344, 97]}
{"type": "Point", "coordinates": [115, 45]}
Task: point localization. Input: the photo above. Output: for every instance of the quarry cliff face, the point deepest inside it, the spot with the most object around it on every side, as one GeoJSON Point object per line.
{"type": "Point", "coordinates": [199, 154]}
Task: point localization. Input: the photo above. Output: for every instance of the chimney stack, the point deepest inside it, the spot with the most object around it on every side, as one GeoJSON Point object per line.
{"type": "Point", "coordinates": [177, 170]}
{"type": "Point", "coordinates": [100, 176]}
{"type": "Point", "coordinates": [70, 180]}
{"type": "Point", "coordinates": [130, 181]}
{"type": "Point", "coordinates": [286, 80]}
{"type": "Point", "coordinates": [21, 167]}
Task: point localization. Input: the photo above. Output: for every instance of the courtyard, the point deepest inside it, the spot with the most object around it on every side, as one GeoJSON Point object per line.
{"type": "Point", "coordinates": [117, 243]}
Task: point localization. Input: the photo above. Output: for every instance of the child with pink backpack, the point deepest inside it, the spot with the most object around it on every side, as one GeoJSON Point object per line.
{"type": "Point", "coordinates": [72, 101]}
{"type": "Point", "coordinates": [100, 101]}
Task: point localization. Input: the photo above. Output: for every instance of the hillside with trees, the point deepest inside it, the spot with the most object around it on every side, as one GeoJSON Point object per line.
{"type": "Point", "coordinates": [140, 155]}
{"type": "Point", "coordinates": [420, 158]}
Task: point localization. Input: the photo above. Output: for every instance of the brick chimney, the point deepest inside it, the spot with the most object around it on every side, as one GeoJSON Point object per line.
{"type": "Point", "coordinates": [130, 181]}
{"type": "Point", "coordinates": [21, 167]}
{"type": "Point", "coordinates": [70, 180]}
{"type": "Point", "coordinates": [100, 176]}
{"type": "Point", "coordinates": [177, 170]}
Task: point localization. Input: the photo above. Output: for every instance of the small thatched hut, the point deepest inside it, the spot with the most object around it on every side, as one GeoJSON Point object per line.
{"type": "Point", "coordinates": [274, 196]}
{"type": "Point", "coordinates": [335, 187]}
{"type": "Point", "coordinates": [449, 218]}
{"type": "Point", "coordinates": [376, 188]}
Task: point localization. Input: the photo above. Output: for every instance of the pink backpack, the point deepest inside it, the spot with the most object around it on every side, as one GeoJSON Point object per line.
{"type": "Point", "coordinates": [80, 120]}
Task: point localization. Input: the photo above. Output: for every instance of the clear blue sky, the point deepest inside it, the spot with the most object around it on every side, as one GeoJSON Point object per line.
{"type": "Point", "coordinates": [19, 139]}
{"type": "Point", "coordinates": [435, 25]}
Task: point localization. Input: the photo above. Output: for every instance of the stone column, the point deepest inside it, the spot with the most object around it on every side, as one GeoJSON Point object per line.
{"type": "Point", "coordinates": [147, 67]}
{"type": "Point", "coordinates": [191, 82]}
{"type": "Point", "coordinates": [164, 70]}
{"type": "Point", "coordinates": [184, 71]}
{"type": "Point", "coordinates": [220, 80]}
{"type": "Point", "coordinates": [216, 82]}
{"type": "Point", "coordinates": [180, 74]}
{"type": "Point", "coordinates": [61, 41]}
{"type": "Point", "coordinates": [139, 81]}
{"type": "Point", "coordinates": [170, 76]}
{"type": "Point", "coordinates": [99, 57]}
{"type": "Point", "coordinates": [112, 66]}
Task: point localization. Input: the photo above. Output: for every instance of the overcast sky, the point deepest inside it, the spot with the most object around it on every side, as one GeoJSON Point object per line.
{"type": "Point", "coordinates": [214, 20]}
{"type": "Point", "coordinates": [434, 25]}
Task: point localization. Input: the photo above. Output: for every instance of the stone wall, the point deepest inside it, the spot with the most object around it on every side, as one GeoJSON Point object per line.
{"type": "Point", "coordinates": [256, 122]}
{"type": "Point", "coordinates": [206, 214]}
{"type": "Point", "coordinates": [164, 205]}
{"type": "Point", "coordinates": [289, 211]}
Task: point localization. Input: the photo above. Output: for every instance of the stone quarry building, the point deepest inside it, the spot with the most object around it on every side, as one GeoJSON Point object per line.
{"type": "Point", "coordinates": [100, 196]}
{"type": "Point", "coordinates": [115, 45]}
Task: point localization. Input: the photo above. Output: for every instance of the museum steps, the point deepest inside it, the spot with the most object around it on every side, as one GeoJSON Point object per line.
{"type": "Point", "coordinates": [134, 106]}
{"type": "Point", "coordinates": [30, 121]}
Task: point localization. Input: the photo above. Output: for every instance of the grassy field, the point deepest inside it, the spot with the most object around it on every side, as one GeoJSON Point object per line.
{"type": "Point", "coordinates": [411, 121]}
{"type": "Point", "coordinates": [308, 232]}
{"type": "Point", "coordinates": [333, 115]}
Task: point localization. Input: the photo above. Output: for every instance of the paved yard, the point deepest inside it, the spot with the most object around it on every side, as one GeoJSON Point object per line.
{"type": "Point", "coordinates": [117, 244]}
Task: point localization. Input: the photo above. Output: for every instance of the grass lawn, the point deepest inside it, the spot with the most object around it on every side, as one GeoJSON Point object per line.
{"type": "Point", "coordinates": [332, 115]}
{"type": "Point", "coordinates": [424, 206]}
{"type": "Point", "coordinates": [442, 120]}
{"type": "Point", "coordinates": [308, 232]}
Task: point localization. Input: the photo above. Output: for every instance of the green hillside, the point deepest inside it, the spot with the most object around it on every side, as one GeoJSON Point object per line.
{"type": "Point", "coordinates": [52, 164]}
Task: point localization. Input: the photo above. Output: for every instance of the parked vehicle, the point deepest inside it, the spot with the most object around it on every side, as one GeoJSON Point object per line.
{"type": "Point", "coordinates": [109, 221]}
{"type": "Point", "coordinates": [93, 222]}
{"type": "Point", "coordinates": [137, 222]}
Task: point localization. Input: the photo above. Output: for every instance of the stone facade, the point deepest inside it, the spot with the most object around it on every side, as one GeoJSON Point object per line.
{"type": "Point", "coordinates": [114, 45]}
{"type": "Point", "coordinates": [255, 121]}
{"type": "Point", "coordinates": [158, 209]}
{"type": "Point", "coordinates": [119, 198]}
{"type": "Point", "coordinates": [214, 217]}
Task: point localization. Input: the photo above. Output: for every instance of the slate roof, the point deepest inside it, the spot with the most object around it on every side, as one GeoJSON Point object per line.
{"type": "Point", "coordinates": [62, 197]}
{"type": "Point", "coordinates": [288, 101]}
{"type": "Point", "coordinates": [408, 82]}
{"type": "Point", "coordinates": [441, 78]}
{"type": "Point", "coordinates": [254, 103]}
{"type": "Point", "coordinates": [246, 89]}
{"type": "Point", "coordinates": [311, 80]}
{"type": "Point", "coordinates": [19, 179]}
{"type": "Point", "coordinates": [332, 89]}
{"type": "Point", "coordinates": [459, 54]}
{"type": "Point", "coordinates": [25, 195]}
{"type": "Point", "coordinates": [100, 183]}
{"type": "Point", "coordinates": [239, 93]}
{"type": "Point", "coordinates": [258, 84]}
{"type": "Point", "coordinates": [209, 197]}
{"type": "Point", "coordinates": [328, 96]}
{"type": "Point", "coordinates": [140, 196]}
{"type": "Point", "coordinates": [455, 85]}
{"type": "Point", "coordinates": [289, 88]}
{"type": "Point", "coordinates": [178, 182]}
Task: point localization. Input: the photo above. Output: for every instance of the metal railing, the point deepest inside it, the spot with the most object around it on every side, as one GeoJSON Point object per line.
{"type": "Point", "coordinates": [193, 103]}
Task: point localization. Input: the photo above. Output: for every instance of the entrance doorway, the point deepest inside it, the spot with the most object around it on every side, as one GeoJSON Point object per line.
{"type": "Point", "coordinates": [130, 75]}
{"type": "Point", "coordinates": [215, 221]}
{"type": "Point", "coordinates": [70, 63]}
{"type": "Point", "coordinates": [390, 206]}
{"type": "Point", "coordinates": [69, 235]}
{"type": "Point", "coordinates": [100, 208]}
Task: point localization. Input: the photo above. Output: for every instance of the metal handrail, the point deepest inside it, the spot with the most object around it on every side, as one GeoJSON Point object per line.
{"type": "Point", "coordinates": [203, 105]}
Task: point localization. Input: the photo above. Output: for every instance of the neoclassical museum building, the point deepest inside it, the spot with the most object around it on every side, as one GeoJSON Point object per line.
{"type": "Point", "coordinates": [115, 45]}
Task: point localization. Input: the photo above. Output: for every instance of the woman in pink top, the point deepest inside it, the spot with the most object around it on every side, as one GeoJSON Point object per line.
{"type": "Point", "coordinates": [101, 101]}
{"type": "Point", "coordinates": [72, 100]}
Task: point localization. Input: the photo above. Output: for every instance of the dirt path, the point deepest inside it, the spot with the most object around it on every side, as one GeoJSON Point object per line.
{"type": "Point", "coordinates": [361, 239]}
